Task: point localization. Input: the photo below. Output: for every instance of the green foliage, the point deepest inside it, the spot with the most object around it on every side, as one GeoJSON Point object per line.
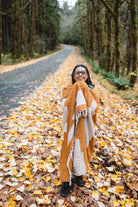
{"type": "Point", "coordinates": [72, 40]}
{"type": "Point", "coordinates": [36, 55]}
{"type": "Point", "coordinates": [95, 67]}
{"type": "Point", "coordinates": [120, 82]}
{"type": "Point", "coordinates": [102, 59]}
{"type": "Point", "coordinates": [114, 90]}
{"type": "Point", "coordinates": [6, 58]}
{"type": "Point", "coordinates": [128, 96]}
{"type": "Point", "coordinates": [108, 75]}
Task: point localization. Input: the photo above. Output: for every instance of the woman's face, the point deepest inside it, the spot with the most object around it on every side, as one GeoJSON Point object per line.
{"type": "Point", "coordinates": [80, 74]}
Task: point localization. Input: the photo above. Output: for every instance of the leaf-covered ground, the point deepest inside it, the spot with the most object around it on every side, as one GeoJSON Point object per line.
{"type": "Point", "coordinates": [30, 141]}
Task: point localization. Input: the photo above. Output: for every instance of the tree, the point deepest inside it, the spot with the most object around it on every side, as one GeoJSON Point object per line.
{"type": "Point", "coordinates": [22, 29]}
{"type": "Point", "coordinates": [99, 29]}
{"type": "Point", "coordinates": [32, 34]}
{"type": "Point", "coordinates": [116, 15]}
{"type": "Point", "coordinates": [133, 41]}
{"type": "Point", "coordinates": [0, 34]}
{"type": "Point", "coordinates": [82, 29]}
{"type": "Point", "coordinates": [91, 24]}
{"type": "Point", "coordinates": [13, 27]}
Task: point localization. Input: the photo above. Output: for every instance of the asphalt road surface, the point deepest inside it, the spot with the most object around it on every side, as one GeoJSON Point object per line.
{"type": "Point", "coordinates": [19, 83]}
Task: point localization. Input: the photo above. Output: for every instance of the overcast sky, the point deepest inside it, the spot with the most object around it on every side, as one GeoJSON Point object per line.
{"type": "Point", "coordinates": [70, 2]}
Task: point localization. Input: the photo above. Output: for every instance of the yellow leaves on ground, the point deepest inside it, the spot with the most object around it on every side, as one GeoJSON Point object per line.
{"type": "Point", "coordinates": [127, 202]}
{"type": "Point", "coordinates": [10, 203]}
{"type": "Point", "coordinates": [11, 157]}
{"type": "Point", "coordinates": [115, 178]}
{"type": "Point", "coordinates": [27, 173]}
{"type": "Point", "coordinates": [43, 200]}
{"type": "Point", "coordinates": [30, 142]}
{"type": "Point", "coordinates": [11, 190]}
{"type": "Point", "coordinates": [48, 178]}
{"type": "Point", "coordinates": [95, 195]}
{"type": "Point", "coordinates": [38, 192]}
{"type": "Point", "coordinates": [57, 182]}
{"type": "Point", "coordinates": [104, 192]}
{"type": "Point", "coordinates": [2, 146]}
{"type": "Point", "coordinates": [15, 171]}
{"type": "Point", "coordinates": [49, 189]}
{"type": "Point", "coordinates": [120, 189]}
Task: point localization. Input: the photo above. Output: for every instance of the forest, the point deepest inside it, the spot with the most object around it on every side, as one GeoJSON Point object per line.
{"type": "Point", "coordinates": [105, 30]}
{"type": "Point", "coordinates": [28, 27]}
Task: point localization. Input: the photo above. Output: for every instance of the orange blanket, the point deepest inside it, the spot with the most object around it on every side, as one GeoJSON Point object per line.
{"type": "Point", "coordinates": [80, 104]}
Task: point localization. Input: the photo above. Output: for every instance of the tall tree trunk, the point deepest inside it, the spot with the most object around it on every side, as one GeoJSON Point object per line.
{"type": "Point", "coordinates": [133, 41]}
{"type": "Point", "coordinates": [99, 30]}
{"type": "Point", "coordinates": [0, 35]}
{"type": "Point", "coordinates": [128, 50]}
{"type": "Point", "coordinates": [22, 29]}
{"type": "Point", "coordinates": [13, 28]}
{"type": "Point", "coordinates": [89, 28]}
{"type": "Point", "coordinates": [117, 38]}
{"type": "Point", "coordinates": [32, 27]}
{"type": "Point", "coordinates": [108, 47]}
{"type": "Point", "coordinates": [18, 19]}
{"type": "Point", "coordinates": [116, 15]}
{"type": "Point", "coordinates": [82, 31]}
{"type": "Point", "coordinates": [92, 31]}
{"type": "Point", "coordinates": [43, 48]}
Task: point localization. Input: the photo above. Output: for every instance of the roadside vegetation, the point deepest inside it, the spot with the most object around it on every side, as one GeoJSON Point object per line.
{"type": "Point", "coordinates": [119, 85]}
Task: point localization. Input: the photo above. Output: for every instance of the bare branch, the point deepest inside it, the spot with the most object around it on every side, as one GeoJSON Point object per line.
{"type": "Point", "coordinates": [27, 4]}
{"type": "Point", "coordinates": [109, 8]}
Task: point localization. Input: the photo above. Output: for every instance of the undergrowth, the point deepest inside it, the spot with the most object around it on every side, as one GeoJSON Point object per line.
{"type": "Point", "coordinates": [8, 60]}
{"type": "Point", "coordinates": [121, 84]}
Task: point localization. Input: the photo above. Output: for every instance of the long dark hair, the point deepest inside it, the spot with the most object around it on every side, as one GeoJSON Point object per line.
{"type": "Point", "coordinates": [88, 81]}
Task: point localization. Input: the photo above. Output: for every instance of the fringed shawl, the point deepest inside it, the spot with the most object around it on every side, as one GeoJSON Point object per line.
{"type": "Point", "coordinates": [80, 104]}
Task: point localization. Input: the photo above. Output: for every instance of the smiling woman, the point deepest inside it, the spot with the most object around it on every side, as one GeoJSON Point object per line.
{"type": "Point", "coordinates": [80, 74]}
{"type": "Point", "coordinates": [80, 105]}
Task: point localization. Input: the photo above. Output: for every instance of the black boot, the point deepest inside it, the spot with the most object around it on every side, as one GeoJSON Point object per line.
{"type": "Point", "coordinates": [64, 189]}
{"type": "Point", "coordinates": [79, 181]}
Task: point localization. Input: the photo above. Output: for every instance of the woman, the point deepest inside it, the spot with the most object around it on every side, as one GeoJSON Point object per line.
{"type": "Point", "coordinates": [80, 104]}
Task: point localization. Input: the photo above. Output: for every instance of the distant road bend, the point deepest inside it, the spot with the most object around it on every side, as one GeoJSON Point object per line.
{"type": "Point", "coordinates": [21, 82]}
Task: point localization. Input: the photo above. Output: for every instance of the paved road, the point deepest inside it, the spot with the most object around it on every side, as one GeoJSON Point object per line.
{"type": "Point", "coordinates": [21, 82]}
